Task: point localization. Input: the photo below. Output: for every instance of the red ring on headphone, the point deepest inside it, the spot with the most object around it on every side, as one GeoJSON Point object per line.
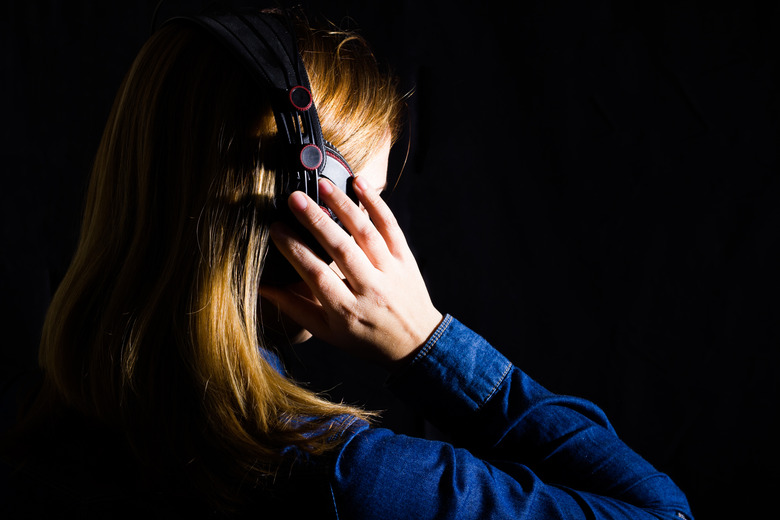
{"type": "Point", "coordinates": [300, 98]}
{"type": "Point", "coordinates": [311, 157]}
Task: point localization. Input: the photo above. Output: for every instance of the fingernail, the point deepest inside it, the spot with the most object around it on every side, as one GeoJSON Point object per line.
{"type": "Point", "coordinates": [326, 187]}
{"type": "Point", "coordinates": [361, 183]}
{"type": "Point", "coordinates": [297, 201]}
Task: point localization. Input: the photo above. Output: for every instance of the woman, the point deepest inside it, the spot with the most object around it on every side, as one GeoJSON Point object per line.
{"type": "Point", "coordinates": [161, 392]}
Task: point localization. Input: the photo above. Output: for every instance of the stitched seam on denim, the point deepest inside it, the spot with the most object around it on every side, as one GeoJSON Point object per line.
{"type": "Point", "coordinates": [333, 497]}
{"type": "Point", "coordinates": [495, 387]}
{"type": "Point", "coordinates": [437, 334]}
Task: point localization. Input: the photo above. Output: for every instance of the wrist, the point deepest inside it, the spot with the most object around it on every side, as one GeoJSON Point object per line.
{"type": "Point", "coordinates": [422, 342]}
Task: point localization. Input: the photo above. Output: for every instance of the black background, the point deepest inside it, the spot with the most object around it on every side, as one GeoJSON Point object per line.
{"type": "Point", "coordinates": [591, 185]}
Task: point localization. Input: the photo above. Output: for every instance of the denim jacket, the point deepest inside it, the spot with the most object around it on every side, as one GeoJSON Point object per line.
{"type": "Point", "coordinates": [518, 450]}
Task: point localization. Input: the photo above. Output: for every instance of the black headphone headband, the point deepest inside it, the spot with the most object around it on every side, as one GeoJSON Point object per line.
{"type": "Point", "coordinates": [267, 45]}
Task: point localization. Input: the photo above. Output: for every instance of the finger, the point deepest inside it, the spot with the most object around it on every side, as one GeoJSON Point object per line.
{"type": "Point", "coordinates": [382, 217]}
{"type": "Point", "coordinates": [304, 311]}
{"type": "Point", "coordinates": [357, 222]}
{"type": "Point", "coordinates": [350, 259]}
{"type": "Point", "coordinates": [324, 284]}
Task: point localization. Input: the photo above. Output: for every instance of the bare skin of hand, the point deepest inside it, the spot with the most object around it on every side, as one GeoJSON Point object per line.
{"type": "Point", "coordinates": [380, 309]}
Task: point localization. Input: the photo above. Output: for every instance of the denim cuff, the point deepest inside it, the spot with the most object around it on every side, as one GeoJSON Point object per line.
{"type": "Point", "coordinates": [454, 374]}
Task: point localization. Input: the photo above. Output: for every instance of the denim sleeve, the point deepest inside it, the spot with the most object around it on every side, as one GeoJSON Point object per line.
{"type": "Point", "coordinates": [518, 450]}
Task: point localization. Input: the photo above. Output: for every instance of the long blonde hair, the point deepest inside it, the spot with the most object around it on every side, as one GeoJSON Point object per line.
{"type": "Point", "coordinates": [154, 328]}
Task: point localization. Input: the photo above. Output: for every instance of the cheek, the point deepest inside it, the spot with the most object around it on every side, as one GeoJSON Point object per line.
{"type": "Point", "coordinates": [375, 171]}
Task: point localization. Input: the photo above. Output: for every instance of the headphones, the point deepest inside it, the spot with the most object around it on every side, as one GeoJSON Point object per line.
{"type": "Point", "coordinates": [267, 46]}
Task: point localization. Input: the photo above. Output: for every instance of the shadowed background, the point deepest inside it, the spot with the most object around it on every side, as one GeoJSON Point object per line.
{"type": "Point", "coordinates": [593, 186]}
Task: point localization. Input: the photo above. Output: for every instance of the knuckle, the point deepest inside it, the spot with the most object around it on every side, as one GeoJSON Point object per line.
{"type": "Point", "coordinates": [365, 229]}
{"type": "Point", "coordinates": [296, 248]}
{"type": "Point", "coordinates": [348, 316]}
{"type": "Point", "coordinates": [343, 249]}
{"type": "Point", "coordinates": [371, 198]}
{"type": "Point", "coordinates": [320, 277]}
{"type": "Point", "coordinates": [380, 301]}
{"type": "Point", "coordinates": [375, 242]}
{"type": "Point", "coordinates": [342, 204]}
{"type": "Point", "coordinates": [389, 218]}
{"type": "Point", "coordinates": [316, 217]}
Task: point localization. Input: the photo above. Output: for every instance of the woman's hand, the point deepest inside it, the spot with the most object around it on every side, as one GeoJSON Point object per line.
{"type": "Point", "coordinates": [381, 308]}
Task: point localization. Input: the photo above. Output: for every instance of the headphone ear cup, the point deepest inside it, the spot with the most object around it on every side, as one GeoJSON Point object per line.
{"type": "Point", "coordinates": [338, 171]}
{"type": "Point", "coordinates": [277, 270]}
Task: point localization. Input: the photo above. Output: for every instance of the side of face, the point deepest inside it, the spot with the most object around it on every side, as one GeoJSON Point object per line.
{"type": "Point", "coordinates": [375, 170]}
